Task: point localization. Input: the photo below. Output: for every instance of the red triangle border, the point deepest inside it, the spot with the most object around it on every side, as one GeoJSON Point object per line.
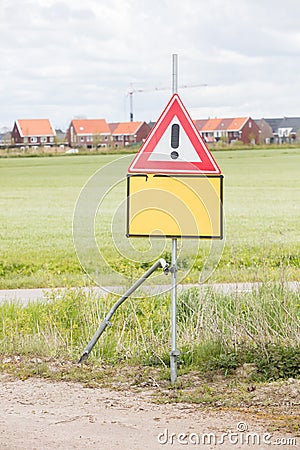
{"type": "Point", "coordinates": [141, 162]}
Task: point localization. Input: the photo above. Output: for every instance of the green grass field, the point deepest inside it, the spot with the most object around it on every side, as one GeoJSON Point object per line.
{"type": "Point", "coordinates": [38, 196]}
{"type": "Point", "coordinates": [215, 332]}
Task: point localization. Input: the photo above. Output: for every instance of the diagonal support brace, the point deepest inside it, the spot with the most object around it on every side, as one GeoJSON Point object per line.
{"type": "Point", "coordinates": [160, 263]}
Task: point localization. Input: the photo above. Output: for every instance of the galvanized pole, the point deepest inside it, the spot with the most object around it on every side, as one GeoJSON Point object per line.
{"type": "Point", "coordinates": [174, 73]}
{"type": "Point", "coordinates": [174, 352]}
{"type": "Point", "coordinates": [131, 103]}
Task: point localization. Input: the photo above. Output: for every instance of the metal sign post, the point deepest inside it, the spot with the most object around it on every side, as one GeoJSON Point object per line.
{"type": "Point", "coordinates": [174, 73]}
{"type": "Point", "coordinates": [174, 352]}
{"type": "Point", "coordinates": [175, 182]}
{"type": "Point", "coordinates": [174, 191]}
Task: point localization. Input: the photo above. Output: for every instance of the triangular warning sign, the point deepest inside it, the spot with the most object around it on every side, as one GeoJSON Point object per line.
{"type": "Point", "coordinates": [174, 145]}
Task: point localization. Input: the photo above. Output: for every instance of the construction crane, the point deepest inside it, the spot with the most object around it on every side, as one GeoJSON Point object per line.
{"type": "Point", "coordinates": [132, 91]}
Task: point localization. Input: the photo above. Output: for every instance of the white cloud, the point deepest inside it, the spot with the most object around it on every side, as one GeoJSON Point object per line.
{"type": "Point", "coordinates": [64, 58]}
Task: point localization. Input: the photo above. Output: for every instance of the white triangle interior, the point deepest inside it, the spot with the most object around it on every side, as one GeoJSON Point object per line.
{"type": "Point", "coordinates": [185, 150]}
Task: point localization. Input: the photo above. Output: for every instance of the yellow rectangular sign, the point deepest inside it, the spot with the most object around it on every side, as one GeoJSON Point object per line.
{"type": "Point", "coordinates": [181, 206]}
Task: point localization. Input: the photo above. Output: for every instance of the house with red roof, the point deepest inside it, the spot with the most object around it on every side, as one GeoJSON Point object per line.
{"type": "Point", "coordinates": [33, 132]}
{"type": "Point", "coordinates": [242, 129]}
{"type": "Point", "coordinates": [88, 133]}
{"type": "Point", "coordinates": [128, 133]}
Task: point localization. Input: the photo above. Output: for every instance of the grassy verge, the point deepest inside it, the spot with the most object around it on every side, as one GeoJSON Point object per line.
{"type": "Point", "coordinates": [240, 352]}
{"type": "Point", "coordinates": [215, 332]}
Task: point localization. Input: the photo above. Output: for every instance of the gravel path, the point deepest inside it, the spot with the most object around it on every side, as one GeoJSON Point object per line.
{"type": "Point", "coordinates": [26, 295]}
{"type": "Point", "coordinates": [40, 415]}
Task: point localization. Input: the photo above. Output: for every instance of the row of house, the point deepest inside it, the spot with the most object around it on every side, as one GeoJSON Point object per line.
{"type": "Point", "coordinates": [279, 130]}
{"type": "Point", "coordinates": [249, 131]}
{"type": "Point", "coordinates": [98, 133]}
{"type": "Point", "coordinates": [87, 133]}
{"type": "Point", "coordinates": [91, 133]}
{"type": "Point", "coordinates": [242, 129]}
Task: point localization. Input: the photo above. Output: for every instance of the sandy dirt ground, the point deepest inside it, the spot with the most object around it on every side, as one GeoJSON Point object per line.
{"type": "Point", "coordinates": [39, 414]}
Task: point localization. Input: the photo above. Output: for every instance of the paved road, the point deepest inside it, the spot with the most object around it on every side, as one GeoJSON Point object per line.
{"type": "Point", "coordinates": [28, 295]}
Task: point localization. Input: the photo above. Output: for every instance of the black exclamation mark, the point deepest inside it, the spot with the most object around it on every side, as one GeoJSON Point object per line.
{"type": "Point", "coordinates": [175, 140]}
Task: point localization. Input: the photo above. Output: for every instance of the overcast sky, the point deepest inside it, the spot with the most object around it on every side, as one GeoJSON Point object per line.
{"type": "Point", "coordinates": [66, 58]}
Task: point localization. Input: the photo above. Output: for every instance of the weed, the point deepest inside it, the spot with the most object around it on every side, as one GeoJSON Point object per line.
{"type": "Point", "coordinates": [214, 331]}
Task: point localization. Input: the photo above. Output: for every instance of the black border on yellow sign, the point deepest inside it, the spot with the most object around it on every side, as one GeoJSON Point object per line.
{"type": "Point", "coordinates": [220, 236]}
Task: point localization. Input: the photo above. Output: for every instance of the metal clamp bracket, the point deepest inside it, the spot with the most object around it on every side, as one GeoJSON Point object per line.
{"type": "Point", "coordinates": [173, 269]}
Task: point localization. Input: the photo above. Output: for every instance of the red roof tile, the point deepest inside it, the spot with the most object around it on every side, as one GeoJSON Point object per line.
{"type": "Point", "coordinates": [224, 124]}
{"type": "Point", "coordinates": [90, 126]}
{"type": "Point", "coordinates": [211, 125]}
{"type": "Point", "coordinates": [126, 128]}
{"type": "Point", "coordinates": [200, 123]}
{"type": "Point", "coordinates": [237, 123]}
{"type": "Point", "coordinates": [227, 124]}
{"type": "Point", "coordinates": [35, 127]}
{"type": "Point", "coordinates": [113, 126]}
